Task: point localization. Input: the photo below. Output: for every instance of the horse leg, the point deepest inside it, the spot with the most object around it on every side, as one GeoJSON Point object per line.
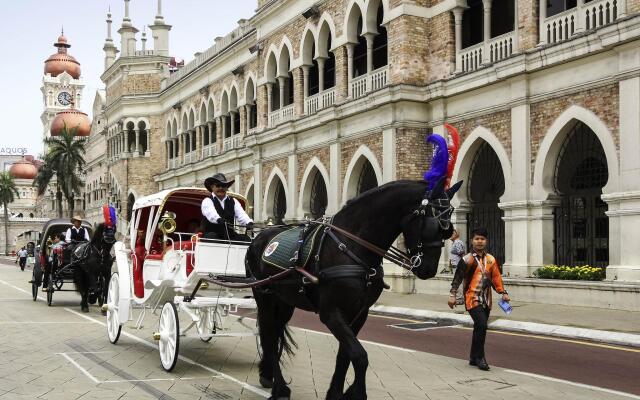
{"type": "Point", "coordinates": [354, 350]}
{"type": "Point", "coordinates": [81, 283]}
{"type": "Point", "coordinates": [342, 363]}
{"type": "Point", "coordinates": [273, 315]}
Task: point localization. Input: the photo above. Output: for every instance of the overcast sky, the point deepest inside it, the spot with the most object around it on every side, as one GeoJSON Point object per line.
{"type": "Point", "coordinates": [30, 27]}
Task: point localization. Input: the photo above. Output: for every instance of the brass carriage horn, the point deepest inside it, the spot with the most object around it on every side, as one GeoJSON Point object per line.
{"type": "Point", "coordinates": [168, 222]}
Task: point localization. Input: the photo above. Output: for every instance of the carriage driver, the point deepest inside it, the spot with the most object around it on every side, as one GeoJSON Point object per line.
{"type": "Point", "coordinates": [220, 210]}
{"type": "Point", "coordinates": [77, 232]}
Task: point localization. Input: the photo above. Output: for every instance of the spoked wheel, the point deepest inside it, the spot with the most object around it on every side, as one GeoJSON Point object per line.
{"type": "Point", "coordinates": [50, 290]}
{"type": "Point", "coordinates": [113, 323]}
{"type": "Point", "coordinates": [204, 326]}
{"type": "Point", "coordinates": [169, 328]}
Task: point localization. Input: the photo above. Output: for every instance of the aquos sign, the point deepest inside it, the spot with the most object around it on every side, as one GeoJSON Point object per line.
{"type": "Point", "coordinates": [13, 151]}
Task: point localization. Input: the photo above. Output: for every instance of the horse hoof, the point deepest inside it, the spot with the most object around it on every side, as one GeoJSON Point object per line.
{"type": "Point", "coordinates": [84, 309]}
{"type": "Point", "coordinates": [266, 383]}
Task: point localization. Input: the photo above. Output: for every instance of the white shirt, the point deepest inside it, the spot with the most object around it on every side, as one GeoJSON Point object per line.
{"type": "Point", "coordinates": [22, 253]}
{"type": "Point", "coordinates": [210, 213]}
{"type": "Point", "coordinates": [67, 237]}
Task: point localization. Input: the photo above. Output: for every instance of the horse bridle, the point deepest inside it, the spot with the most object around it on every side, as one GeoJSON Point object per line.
{"type": "Point", "coordinates": [438, 211]}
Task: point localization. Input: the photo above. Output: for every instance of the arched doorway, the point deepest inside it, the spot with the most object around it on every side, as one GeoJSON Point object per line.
{"type": "Point", "coordinates": [318, 199]}
{"type": "Point", "coordinates": [250, 202]}
{"type": "Point", "coordinates": [367, 179]}
{"type": "Point", "coordinates": [485, 187]}
{"type": "Point", "coordinates": [279, 203]}
{"type": "Point", "coordinates": [581, 228]}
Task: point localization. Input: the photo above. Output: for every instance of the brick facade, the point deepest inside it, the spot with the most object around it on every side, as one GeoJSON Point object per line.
{"type": "Point", "coordinates": [498, 123]}
{"type": "Point", "coordinates": [412, 154]}
{"type": "Point", "coordinates": [304, 159]}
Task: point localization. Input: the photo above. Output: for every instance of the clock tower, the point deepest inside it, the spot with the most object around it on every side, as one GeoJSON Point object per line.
{"type": "Point", "coordinates": [61, 84]}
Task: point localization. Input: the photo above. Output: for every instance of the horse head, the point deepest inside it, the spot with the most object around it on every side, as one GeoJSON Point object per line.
{"type": "Point", "coordinates": [427, 227]}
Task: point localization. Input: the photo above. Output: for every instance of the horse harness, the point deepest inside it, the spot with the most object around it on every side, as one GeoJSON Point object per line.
{"type": "Point", "coordinates": [408, 260]}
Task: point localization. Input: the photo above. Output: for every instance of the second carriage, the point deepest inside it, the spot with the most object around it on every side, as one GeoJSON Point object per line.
{"type": "Point", "coordinates": [160, 265]}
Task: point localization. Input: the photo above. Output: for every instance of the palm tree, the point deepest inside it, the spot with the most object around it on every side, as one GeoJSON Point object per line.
{"type": "Point", "coordinates": [8, 193]}
{"type": "Point", "coordinates": [64, 160]}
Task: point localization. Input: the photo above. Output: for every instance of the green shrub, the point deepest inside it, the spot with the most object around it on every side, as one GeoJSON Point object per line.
{"type": "Point", "coordinates": [581, 273]}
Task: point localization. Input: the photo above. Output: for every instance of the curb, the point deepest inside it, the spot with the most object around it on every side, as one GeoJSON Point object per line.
{"type": "Point", "coordinates": [567, 332]}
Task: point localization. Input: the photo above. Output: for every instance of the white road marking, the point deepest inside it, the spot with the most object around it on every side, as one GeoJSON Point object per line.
{"type": "Point", "coordinates": [41, 322]}
{"type": "Point", "coordinates": [581, 385]}
{"type": "Point", "coordinates": [21, 290]}
{"type": "Point", "coordinates": [84, 371]}
{"type": "Point", "coordinates": [96, 380]}
{"type": "Point", "coordinates": [244, 385]}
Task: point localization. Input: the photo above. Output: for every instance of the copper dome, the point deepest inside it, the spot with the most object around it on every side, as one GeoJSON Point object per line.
{"type": "Point", "coordinates": [72, 118]}
{"type": "Point", "coordinates": [23, 169]}
{"type": "Point", "coordinates": [61, 61]}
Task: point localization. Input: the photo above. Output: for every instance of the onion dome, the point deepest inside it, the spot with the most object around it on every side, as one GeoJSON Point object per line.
{"type": "Point", "coordinates": [61, 61]}
{"type": "Point", "coordinates": [72, 118]}
{"type": "Point", "coordinates": [23, 169]}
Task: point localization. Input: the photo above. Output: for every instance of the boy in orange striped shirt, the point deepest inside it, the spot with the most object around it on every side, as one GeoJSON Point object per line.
{"type": "Point", "coordinates": [481, 272]}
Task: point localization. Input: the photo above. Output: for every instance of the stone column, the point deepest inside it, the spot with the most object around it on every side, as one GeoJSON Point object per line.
{"type": "Point", "coordinates": [516, 27]}
{"type": "Point", "coordinates": [543, 16]}
{"type": "Point", "coordinates": [369, 37]}
{"type": "Point", "coordinates": [298, 95]}
{"type": "Point", "coordinates": [219, 133]}
{"type": "Point", "coordinates": [198, 142]}
{"type": "Point", "coordinates": [528, 23]}
{"type": "Point", "coordinates": [321, 61]}
{"type": "Point", "coordinates": [457, 15]}
{"type": "Point", "coordinates": [281, 81]}
{"type": "Point", "coordinates": [181, 148]}
{"type": "Point", "coordinates": [225, 128]}
{"type": "Point", "coordinates": [350, 49]}
{"type": "Point", "coordinates": [263, 102]}
{"type": "Point", "coordinates": [243, 120]}
{"type": "Point", "coordinates": [247, 114]}
{"type": "Point", "coordinates": [623, 199]}
{"type": "Point", "coordinates": [342, 71]}
{"type": "Point", "coordinates": [137, 135]}
{"type": "Point", "coordinates": [580, 23]}
{"type": "Point", "coordinates": [486, 6]}
{"type": "Point", "coordinates": [269, 98]}
{"type": "Point", "coordinates": [167, 147]}
{"type": "Point", "coordinates": [305, 80]}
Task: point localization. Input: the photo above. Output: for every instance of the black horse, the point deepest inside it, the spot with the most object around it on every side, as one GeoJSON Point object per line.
{"type": "Point", "coordinates": [91, 261]}
{"type": "Point", "coordinates": [350, 275]}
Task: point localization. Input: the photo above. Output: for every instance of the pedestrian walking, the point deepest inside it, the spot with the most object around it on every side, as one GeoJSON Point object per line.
{"type": "Point", "coordinates": [22, 258]}
{"type": "Point", "coordinates": [480, 272]}
{"type": "Point", "coordinates": [455, 255]}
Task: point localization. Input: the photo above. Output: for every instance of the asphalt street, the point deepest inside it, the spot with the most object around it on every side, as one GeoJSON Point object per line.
{"type": "Point", "coordinates": [58, 352]}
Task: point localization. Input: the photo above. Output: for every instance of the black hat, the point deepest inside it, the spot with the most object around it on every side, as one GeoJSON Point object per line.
{"type": "Point", "coordinates": [218, 179]}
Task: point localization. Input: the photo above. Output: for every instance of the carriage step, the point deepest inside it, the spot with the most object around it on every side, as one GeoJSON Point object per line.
{"type": "Point", "coordinates": [222, 301]}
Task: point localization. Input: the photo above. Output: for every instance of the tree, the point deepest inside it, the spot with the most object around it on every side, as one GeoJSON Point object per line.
{"type": "Point", "coordinates": [8, 193]}
{"type": "Point", "coordinates": [64, 160]}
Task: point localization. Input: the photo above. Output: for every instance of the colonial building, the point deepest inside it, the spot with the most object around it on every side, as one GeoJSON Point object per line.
{"type": "Point", "coordinates": [308, 103]}
{"type": "Point", "coordinates": [25, 217]}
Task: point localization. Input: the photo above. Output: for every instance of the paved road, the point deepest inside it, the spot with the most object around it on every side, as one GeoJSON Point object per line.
{"type": "Point", "coordinates": [59, 353]}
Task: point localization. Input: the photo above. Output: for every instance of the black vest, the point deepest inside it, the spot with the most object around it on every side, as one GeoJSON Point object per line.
{"type": "Point", "coordinates": [78, 235]}
{"type": "Point", "coordinates": [228, 214]}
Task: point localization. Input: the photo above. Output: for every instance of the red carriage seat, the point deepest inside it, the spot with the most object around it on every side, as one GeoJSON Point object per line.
{"type": "Point", "coordinates": [137, 257]}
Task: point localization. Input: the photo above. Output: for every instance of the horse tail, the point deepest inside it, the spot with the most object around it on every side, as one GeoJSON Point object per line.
{"type": "Point", "coordinates": [286, 342]}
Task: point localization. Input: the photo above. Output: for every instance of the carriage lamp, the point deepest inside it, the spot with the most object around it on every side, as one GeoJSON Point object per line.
{"type": "Point", "coordinates": [156, 335]}
{"type": "Point", "coordinates": [104, 308]}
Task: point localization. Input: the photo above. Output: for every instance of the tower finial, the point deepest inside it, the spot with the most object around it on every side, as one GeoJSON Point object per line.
{"type": "Point", "coordinates": [126, 10]}
{"type": "Point", "coordinates": [109, 25]}
{"type": "Point", "coordinates": [62, 30]}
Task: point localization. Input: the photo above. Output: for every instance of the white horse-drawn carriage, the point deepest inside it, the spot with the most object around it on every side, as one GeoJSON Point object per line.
{"type": "Point", "coordinates": [161, 264]}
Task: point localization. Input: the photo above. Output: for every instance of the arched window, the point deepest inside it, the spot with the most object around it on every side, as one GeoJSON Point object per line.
{"type": "Point", "coordinates": [472, 23]}
{"type": "Point", "coordinates": [581, 225]}
{"type": "Point", "coordinates": [250, 202]}
{"type": "Point", "coordinates": [367, 179]}
{"type": "Point", "coordinates": [360, 53]}
{"type": "Point", "coordinates": [279, 203]}
{"type": "Point", "coordinates": [485, 187]}
{"type": "Point", "coordinates": [380, 41]}
{"type": "Point", "coordinates": [131, 137]}
{"type": "Point", "coordinates": [318, 199]}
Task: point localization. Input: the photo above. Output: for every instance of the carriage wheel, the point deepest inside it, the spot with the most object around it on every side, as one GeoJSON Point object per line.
{"type": "Point", "coordinates": [169, 328]}
{"type": "Point", "coordinates": [210, 322]}
{"type": "Point", "coordinates": [50, 290]}
{"type": "Point", "coordinates": [113, 323]}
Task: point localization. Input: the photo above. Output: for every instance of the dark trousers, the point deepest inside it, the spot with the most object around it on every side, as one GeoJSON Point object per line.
{"type": "Point", "coordinates": [480, 316]}
{"type": "Point", "coordinates": [23, 262]}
